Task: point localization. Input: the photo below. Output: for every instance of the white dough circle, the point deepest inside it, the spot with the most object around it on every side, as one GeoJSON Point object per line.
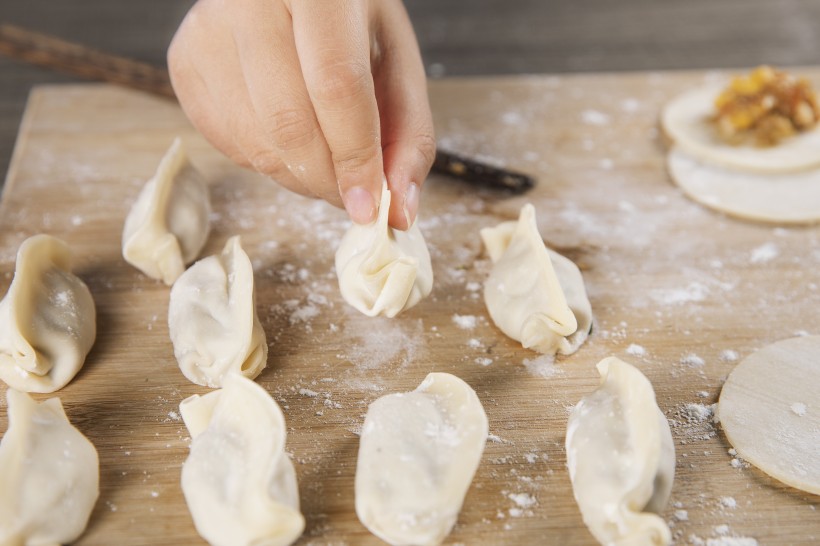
{"type": "Point", "coordinates": [769, 409]}
{"type": "Point", "coordinates": [685, 120]}
{"type": "Point", "coordinates": [785, 198]}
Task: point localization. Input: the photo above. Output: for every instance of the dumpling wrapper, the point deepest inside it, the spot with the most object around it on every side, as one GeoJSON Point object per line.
{"type": "Point", "coordinates": [169, 222]}
{"type": "Point", "coordinates": [621, 458]}
{"type": "Point", "coordinates": [49, 474]}
{"type": "Point", "coordinates": [769, 408]}
{"type": "Point", "coordinates": [685, 120]}
{"type": "Point", "coordinates": [238, 482]}
{"type": "Point", "coordinates": [381, 270]}
{"type": "Point", "coordinates": [47, 319]}
{"type": "Point", "coordinates": [534, 295]}
{"type": "Point", "coordinates": [418, 454]}
{"type": "Point", "coordinates": [782, 198]}
{"type": "Point", "coordinates": [212, 319]}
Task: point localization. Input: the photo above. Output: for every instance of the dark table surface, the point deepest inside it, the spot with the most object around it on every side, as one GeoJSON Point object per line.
{"type": "Point", "coordinates": [468, 37]}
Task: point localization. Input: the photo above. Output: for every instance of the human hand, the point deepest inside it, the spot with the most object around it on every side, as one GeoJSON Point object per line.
{"type": "Point", "coordinates": [325, 97]}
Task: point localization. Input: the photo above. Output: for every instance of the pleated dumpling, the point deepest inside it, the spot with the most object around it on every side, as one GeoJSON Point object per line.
{"type": "Point", "coordinates": [534, 295]}
{"type": "Point", "coordinates": [169, 223]}
{"type": "Point", "coordinates": [49, 474]}
{"type": "Point", "coordinates": [383, 271]}
{"type": "Point", "coordinates": [238, 482]}
{"type": "Point", "coordinates": [621, 458]}
{"type": "Point", "coordinates": [418, 454]}
{"type": "Point", "coordinates": [212, 319]}
{"type": "Point", "coordinates": [47, 319]}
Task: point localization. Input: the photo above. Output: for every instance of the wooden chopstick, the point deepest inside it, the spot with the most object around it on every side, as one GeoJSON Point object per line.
{"type": "Point", "coordinates": [78, 60]}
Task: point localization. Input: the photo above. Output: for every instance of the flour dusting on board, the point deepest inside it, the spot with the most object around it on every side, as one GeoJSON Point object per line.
{"type": "Point", "coordinates": [764, 253]}
{"type": "Point", "coordinates": [694, 291]}
{"type": "Point", "coordinates": [542, 366]}
{"type": "Point", "coordinates": [378, 341]}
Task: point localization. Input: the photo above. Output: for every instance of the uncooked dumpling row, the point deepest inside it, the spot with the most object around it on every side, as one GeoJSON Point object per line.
{"type": "Point", "coordinates": [534, 295]}
{"type": "Point", "coordinates": [238, 481]}
{"type": "Point", "coordinates": [417, 457]}
{"type": "Point", "coordinates": [169, 223]}
{"type": "Point", "coordinates": [212, 319]}
{"type": "Point", "coordinates": [47, 319]}
{"type": "Point", "coordinates": [621, 458]}
{"type": "Point", "coordinates": [49, 475]}
{"type": "Point", "coordinates": [383, 271]}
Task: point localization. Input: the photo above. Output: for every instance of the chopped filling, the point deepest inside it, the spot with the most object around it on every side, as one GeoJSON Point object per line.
{"type": "Point", "coordinates": [765, 107]}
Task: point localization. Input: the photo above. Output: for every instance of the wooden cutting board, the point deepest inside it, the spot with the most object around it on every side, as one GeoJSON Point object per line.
{"type": "Point", "coordinates": [676, 289]}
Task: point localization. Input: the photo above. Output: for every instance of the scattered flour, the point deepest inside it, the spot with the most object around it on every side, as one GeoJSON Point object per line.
{"type": "Point", "coordinates": [731, 541]}
{"type": "Point", "coordinates": [635, 350]}
{"type": "Point", "coordinates": [728, 355]}
{"type": "Point", "coordinates": [681, 515]}
{"type": "Point", "coordinates": [379, 341]}
{"type": "Point", "coordinates": [484, 361]}
{"type": "Point", "coordinates": [304, 314]}
{"type": "Point", "coordinates": [764, 253]}
{"type": "Point", "coordinates": [630, 105]}
{"type": "Point", "coordinates": [692, 360]}
{"type": "Point", "coordinates": [728, 502]}
{"type": "Point", "coordinates": [693, 422]}
{"type": "Point", "coordinates": [474, 343]}
{"type": "Point", "coordinates": [675, 296]}
{"type": "Point", "coordinates": [473, 286]}
{"type": "Point", "coordinates": [308, 392]}
{"type": "Point", "coordinates": [523, 500]}
{"type": "Point", "coordinates": [542, 366]}
{"type": "Point", "coordinates": [465, 322]}
{"type": "Point", "coordinates": [594, 117]}
{"type": "Point", "coordinates": [799, 409]}
{"type": "Point", "coordinates": [722, 537]}
{"type": "Point", "coordinates": [696, 413]}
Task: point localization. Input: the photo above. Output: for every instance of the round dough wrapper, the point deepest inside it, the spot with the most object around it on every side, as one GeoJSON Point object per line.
{"type": "Point", "coordinates": [685, 120]}
{"type": "Point", "coordinates": [786, 198]}
{"type": "Point", "coordinates": [770, 410]}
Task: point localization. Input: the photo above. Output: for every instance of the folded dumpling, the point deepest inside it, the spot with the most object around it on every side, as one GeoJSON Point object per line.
{"type": "Point", "coordinates": [534, 295]}
{"type": "Point", "coordinates": [238, 481]}
{"type": "Point", "coordinates": [417, 456]}
{"type": "Point", "coordinates": [49, 474]}
{"type": "Point", "coordinates": [212, 319]}
{"type": "Point", "coordinates": [169, 223]}
{"type": "Point", "coordinates": [47, 319]}
{"type": "Point", "coordinates": [383, 271]}
{"type": "Point", "coordinates": [621, 458]}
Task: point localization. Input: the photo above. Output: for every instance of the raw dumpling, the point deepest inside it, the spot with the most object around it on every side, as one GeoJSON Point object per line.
{"type": "Point", "coordinates": [417, 457]}
{"type": "Point", "coordinates": [383, 271]}
{"type": "Point", "coordinates": [47, 319]}
{"type": "Point", "coordinates": [238, 481]}
{"type": "Point", "coordinates": [621, 458]}
{"type": "Point", "coordinates": [49, 474]}
{"type": "Point", "coordinates": [533, 294]}
{"type": "Point", "coordinates": [212, 319]}
{"type": "Point", "coordinates": [168, 225]}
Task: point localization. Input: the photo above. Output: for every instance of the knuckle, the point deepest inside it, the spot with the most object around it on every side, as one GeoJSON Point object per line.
{"type": "Point", "coordinates": [341, 79]}
{"type": "Point", "coordinates": [292, 129]}
{"type": "Point", "coordinates": [357, 157]}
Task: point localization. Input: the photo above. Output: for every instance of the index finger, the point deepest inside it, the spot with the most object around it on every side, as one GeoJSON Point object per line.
{"type": "Point", "coordinates": [333, 44]}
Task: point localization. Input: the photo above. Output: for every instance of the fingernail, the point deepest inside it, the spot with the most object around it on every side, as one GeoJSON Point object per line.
{"type": "Point", "coordinates": [360, 205]}
{"type": "Point", "coordinates": [411, 203]}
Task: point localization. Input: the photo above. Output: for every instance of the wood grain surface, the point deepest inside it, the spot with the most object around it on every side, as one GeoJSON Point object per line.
{"type": "Point", "coordinates": [676, 289]}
